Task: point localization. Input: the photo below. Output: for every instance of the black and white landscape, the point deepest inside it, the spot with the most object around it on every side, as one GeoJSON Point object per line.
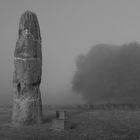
{"type": "Point", "coordinates": [69, 70]}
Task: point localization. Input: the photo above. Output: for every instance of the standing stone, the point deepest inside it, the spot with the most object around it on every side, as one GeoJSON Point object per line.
{"type": "Point", "coordinates": [60, 122]}
{"type": "Point", "coordinates": [27, 105]}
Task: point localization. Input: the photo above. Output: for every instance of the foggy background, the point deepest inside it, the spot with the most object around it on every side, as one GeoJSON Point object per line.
{"type": "Point", "coordinates": [68, 28]}
{"type": "Point", "coordinates": [109, 74]}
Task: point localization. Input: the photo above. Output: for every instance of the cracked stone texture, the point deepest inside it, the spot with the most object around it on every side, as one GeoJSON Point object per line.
{"type": "Point", "coordinates": [27, 105]}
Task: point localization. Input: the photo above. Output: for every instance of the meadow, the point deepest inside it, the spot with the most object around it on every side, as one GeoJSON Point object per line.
{"type": "Point", "coordinates": [82, 124]}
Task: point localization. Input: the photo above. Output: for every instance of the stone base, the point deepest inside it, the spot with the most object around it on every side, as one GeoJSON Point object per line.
{"type": "Point", "coordinates": [58, 124]}
{"type": "Point", "coordinates": [27, 112]}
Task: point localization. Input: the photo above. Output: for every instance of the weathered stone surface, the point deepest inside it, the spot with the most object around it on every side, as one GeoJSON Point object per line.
{"type": "Point", "coordinates": [27, 106]}
{"type": "Point", "coordinates": [29, 71]}
{"type": "Point", "coordinates": [29, 21]}
{"type": "Point", "coordinates": [58, 124]}
{"type": "Point", "coordinates": [26, 45]}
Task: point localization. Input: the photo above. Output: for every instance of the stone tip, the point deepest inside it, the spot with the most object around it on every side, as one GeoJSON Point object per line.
{"type": "Point", "coordinates": [29, 21]}
{"type": "Point", "coordinates": [29, 13]}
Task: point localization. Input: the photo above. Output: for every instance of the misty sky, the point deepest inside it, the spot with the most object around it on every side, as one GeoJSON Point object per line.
{"type": "Point", "coordinates": [68, 28]}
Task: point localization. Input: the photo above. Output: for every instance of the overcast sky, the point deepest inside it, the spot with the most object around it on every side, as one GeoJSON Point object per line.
{"type": "Point", "coordinates": [68, 28]}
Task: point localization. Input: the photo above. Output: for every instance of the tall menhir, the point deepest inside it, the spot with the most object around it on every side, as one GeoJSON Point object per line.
{"type": "Point", "coordinates": [27, 105]}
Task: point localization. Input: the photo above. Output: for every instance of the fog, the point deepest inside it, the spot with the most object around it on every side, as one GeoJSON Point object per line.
{"type": "Point", "coordinates": [109, 73]}
{"type": "Point", "coordinates": [68, 28]}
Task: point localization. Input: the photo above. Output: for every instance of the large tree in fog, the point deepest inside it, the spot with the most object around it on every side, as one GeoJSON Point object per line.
{"type": "Point", "coordinates": [109, 73]}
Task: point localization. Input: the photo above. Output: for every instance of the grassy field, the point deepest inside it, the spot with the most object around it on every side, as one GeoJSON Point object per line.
{"type": "Point", "coordinates": [81, 125]}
